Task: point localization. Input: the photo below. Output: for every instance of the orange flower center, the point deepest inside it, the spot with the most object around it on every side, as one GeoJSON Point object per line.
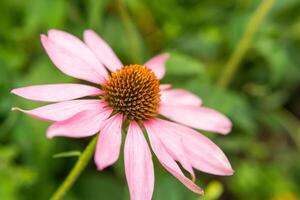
{"type": "Point", "coordinates": [134, 92]}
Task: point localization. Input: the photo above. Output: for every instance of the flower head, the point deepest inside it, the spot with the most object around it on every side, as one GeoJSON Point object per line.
{"type": "Point", "coordinates": [129, 93]}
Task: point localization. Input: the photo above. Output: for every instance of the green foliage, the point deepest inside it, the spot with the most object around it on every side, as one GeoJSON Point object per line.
{"type": "Point", "coordinates": [262, 100]}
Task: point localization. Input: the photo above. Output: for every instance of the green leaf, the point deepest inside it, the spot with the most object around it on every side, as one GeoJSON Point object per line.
{"type": "Point", "coordinates": [183, 65]}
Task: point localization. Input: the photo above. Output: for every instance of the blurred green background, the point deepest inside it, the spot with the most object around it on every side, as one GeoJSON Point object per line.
{"type": "Point", "coordinates": [262, 99]}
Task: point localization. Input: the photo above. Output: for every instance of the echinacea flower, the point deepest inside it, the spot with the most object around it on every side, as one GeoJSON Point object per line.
{"type": "Point", "coordinates": [128, 93]}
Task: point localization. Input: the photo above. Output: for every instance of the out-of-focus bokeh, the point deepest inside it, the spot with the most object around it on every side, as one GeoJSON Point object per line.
{"type": "Point", "coordinates": [262, 98]}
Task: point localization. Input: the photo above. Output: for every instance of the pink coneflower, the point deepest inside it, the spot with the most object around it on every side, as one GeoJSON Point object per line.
{"type": "Point", "coordinates": [128, 93]}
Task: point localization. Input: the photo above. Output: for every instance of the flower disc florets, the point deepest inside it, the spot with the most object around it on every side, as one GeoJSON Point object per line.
{"type": "Point", "coordinates": [134, 92]}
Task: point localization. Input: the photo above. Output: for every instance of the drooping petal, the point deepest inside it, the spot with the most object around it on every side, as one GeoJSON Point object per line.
{"type": "Point", "coordinates": [83, 124]}
{"type": "Point", "coordinates": [102, 50]}
{"type": "Point", "coordinates": [202, 153]}
{"type": "Point", "coordinates": [138, 164]}
{"type": "Point", "coordinates": [56, 92]}
{"type": "Point", "coordinates": [76, 47]}
{"type": "Point", "coordinates": [71, 64]}
{"type": "Point", "coordinates": [173, 145]}
{"type": "Point", "coordinates": [179, 97]}
{"type": "Point", "coordinates": [164, 86]}
{"type": "Point", "coordinates": [166, 159]}
{"type": "Point", "coordinates": [197, 117]}
{"type": "Point", "coordinates": [109, 142]}
{"type": "Point", "coordinates": [63, 110]}
{"type": "Point", "coordinates": [157, 64]}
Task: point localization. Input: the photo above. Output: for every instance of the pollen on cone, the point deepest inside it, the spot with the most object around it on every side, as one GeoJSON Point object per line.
{"type": "Point", "coordinates": [134, 92]}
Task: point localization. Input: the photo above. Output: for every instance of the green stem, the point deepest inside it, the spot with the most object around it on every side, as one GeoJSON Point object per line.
{"type": "Point", "coordinates": [81, 163]}
{"type": "Point", "coordinates": [128, 26]}
{"type": "Point", "coordinates": [245, 42]}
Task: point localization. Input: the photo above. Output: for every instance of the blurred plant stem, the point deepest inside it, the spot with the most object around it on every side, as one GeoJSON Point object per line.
{"type": "Point", "coordinates": [76, 170]}
{"type": "Point", "coordinates": [128, 26]}
{"type": "Point", "coordinates": [245, 42]}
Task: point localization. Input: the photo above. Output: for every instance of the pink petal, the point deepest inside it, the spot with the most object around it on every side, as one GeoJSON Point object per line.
{"type": "Point", "coordinates": [197, 117]}
{"type": "Point", "coordinates": [102, 50]}
{"type": "Point", "coordinates": [138, 164]}
{"type": "Point", "coordinates": [203, 154]}
{"type": "Point", "coordinates": [164, 86]}
{"type": "Point", "coordinates": [63, 110]}
{"type": "Point", "coordinates": [83, 124]}
{"type": "Point", "coordinates": [166, 159]}
{"type": "Point", "coordinates": [173, 145]}
{"type": "Point", "coordinates": [56, 92]}
{"type": "Point", "coordinates": [179, 97]}
{"type": "Point", "coordinates": [157, 64]}
{"type": "Point", "coordinates": [71, 64]}
{"type": "Point", "coordinates": [76, 47]}
{"type": "Point", "coordinates": [109, 142]}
